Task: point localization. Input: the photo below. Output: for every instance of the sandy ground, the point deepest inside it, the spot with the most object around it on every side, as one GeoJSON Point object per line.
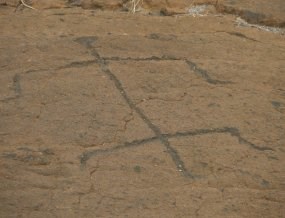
{"type": "Point", "coordinates": [118, 115]}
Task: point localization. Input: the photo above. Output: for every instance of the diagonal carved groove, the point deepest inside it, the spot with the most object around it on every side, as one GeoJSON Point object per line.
{"type": "Point", "coordinates": [163, 138]}
{"type": "Point", "coordinates": [230, 130]}
{"type": "Point", "coordinates": [89, 154]}
{"type": "Point", "coordinates": [78, 64]}
{"type": "Point", "coordinates": [237, 34]}
{"type": "Point", "coordinates": [204, 74]}
{"type": "Point", "coordinates": [193, 66]}
{"type": "Point", "coordinates": [174, 155]}
{"type": "Point", "coordinates": [234, 132]}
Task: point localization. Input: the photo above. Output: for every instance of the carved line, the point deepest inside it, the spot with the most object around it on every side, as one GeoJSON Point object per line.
{"type": "Point", "coordinates": [205, 74]}
{"type": "Point", "coordinates": [172, 152]}
{"type": "Point", "coordinates": [234, 132]}
{"type": "Point", "coordinates": [199, 71]}
{"type": "Point", "coordinates": [159, 136]}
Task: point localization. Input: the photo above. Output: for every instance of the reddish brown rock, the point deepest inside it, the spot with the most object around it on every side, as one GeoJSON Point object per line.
{"type": "Point", "coordinates": [47, 4]}
{"type": "Point", "coordinates": [271, 13]}
{"type": "Point", "coordinates": [263, 12]}
{"type": "Point", "coordinates": [107, 114]}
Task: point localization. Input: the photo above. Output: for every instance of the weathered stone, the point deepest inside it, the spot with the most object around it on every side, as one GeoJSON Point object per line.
{"type": "Point", "coordinates": [107, 114]}
{"type": "Point", "coordinates": [264, 12]}
{"type": "Point", "coordinates": [261, 12]}
{"type": "Point", "coordinates": [38, 4]}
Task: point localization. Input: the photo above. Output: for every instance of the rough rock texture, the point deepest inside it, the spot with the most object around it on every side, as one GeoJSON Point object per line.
{"type": "Point", "coordinates": [109, 114]}
{"type": "Point", "coordinates": [258, 12]}
{"type": "Point", "coordinates": [263, 12]}
{"type": "Point", "coordinates": [271, 13]}
{"type": "Point", "coordinates": [38, 4]}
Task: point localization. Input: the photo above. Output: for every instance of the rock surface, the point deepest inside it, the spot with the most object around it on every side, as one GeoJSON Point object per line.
{"type": "Point", "coordinates": [109, 114]}
{"type": "Point", "coordinates": [270, 13]}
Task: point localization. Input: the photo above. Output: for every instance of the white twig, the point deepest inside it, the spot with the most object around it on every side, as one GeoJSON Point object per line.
{"type": "Point", "coordinates": [135, 3]}
{"type": "Point", "coordinates": [28, 6]}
